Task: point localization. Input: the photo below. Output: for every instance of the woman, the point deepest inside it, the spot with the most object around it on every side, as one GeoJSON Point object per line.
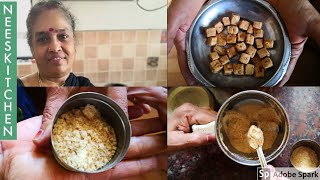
{"type": "Point", "coordinates": [51, 37]}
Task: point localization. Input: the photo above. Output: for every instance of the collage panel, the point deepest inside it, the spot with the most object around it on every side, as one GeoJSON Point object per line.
{"type": "Point", "coordinates": [66, 130]}
{"type": "Point", "coordinates": [221, 129]}
{"type": "Point", "coordinates": [88, 133]}
{"type": "Point", "coordinates": [243, 43]}
{"type": "Point", "coordinates": [253, 109]}
{"type": "Point", "coordinates": [84, 43]}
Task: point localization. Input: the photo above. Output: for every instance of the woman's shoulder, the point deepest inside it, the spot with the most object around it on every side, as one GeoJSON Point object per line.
{"type": "Point", "coordinates": [28, 80]}
{"type": "Point", "coordinates": [83, 81]}
{"type": "Point", "coordinates": [74, 80]}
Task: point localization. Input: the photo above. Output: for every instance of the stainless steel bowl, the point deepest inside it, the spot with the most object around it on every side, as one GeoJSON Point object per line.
{"type": "Point", "coordinates": [308, 143]}
{"type": "Point", "coordinates": [114, 116]}
{"type": "Point", "coordinates": [198, 96]}
{"type": "Point", "coordinates": [252, 10]}
{"type": "Point", "coordinates": [252, 158]}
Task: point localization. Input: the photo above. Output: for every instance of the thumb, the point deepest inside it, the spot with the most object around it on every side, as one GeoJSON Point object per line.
{"type": "Point", "coordinates": [55, 98]}
{"type": "Point", "coordinates": [173, 26]}
{"type": "Point", "coordinates": [178, 23]}
{"type": "Point", "coordinates": [183, 140]}
{"type": "Point", "coordinates": [184, 68]}
{"type": "Point", "coordinates": [119, 95]}
{"type": "Point", "coordinates": [138, 110]}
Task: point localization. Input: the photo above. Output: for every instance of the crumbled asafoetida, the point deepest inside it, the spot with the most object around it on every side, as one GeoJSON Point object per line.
{"type": "Point", "coordinates": [83, 140]}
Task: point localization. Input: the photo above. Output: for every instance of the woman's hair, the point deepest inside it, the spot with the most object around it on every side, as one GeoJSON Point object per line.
{"type": "Point", "coordinates": [43, 6]}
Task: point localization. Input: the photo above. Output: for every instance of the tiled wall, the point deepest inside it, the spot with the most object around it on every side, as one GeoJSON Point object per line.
{"type": "Point", "coordinates": [118, 57]}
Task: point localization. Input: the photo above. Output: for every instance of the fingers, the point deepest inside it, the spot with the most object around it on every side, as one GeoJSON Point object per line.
{"type": "Point", "coordinates": [138, 110]}
{"type": "Point", "coordinates": [179, 139]}
{"type": "Point", "coordinates": [295, 54]}
{"type": "Point", "coordinates": [153, 96]}
{"type": "Point", "coordinates": [288, 74]}
{"type": "Point", "coordinates": [181, 35]}
{"type": "Point", "coordinates": [147, 126]}
{"type": "Point", "coordinates": [144, 146]}
{"type": "Point", "coordinates": [187, 115]}
{"type": "Point", "coordinates": [205, 117]}
{"type": "Point", "coordinates": [139, 167]}
{"type": "Point", "coordinates": [148, 95]}
{"type": "Point", "coordinates": [130, 168]}
{"type": "Point", "coordinates": [181, 53]}
{"type": "Point", "coordinates": [135, 112]}
{"type": "Point", "coordinates": [184, 68]}
{"type": "Point", "coordinates": [55, 98]}
{"type": "Point", "coordinates": [119, 95]}
{"type": "Point", "coordinates": [180, 16]}
{"type": "Point", "coordinates": [146, 108]}
{"type": "Point", "coordinates": [26, 130]}
{"type": "Point", "coordinates": [174, 22]}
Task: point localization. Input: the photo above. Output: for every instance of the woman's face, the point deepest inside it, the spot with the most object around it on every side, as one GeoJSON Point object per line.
{"type": "Point", "coordinates": [53, 44]}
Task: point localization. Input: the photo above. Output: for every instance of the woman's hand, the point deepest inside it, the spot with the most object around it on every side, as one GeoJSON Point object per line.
{"type": "Point", "coordinates": [302, 21]}
{"type": "Point", "coordinates": [23, 159]}
{"type": "Point", "coordinates": [181, 13]}
{"type": "Point", "coordinates": [57, 96]}
{"type": "Point", "coordinates": [180, 121]}
{"type": "Point", "coordinates": [155, 97]}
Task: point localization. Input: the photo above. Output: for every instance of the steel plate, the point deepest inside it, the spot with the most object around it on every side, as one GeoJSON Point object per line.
{"type": "Point", "coordinates": [252, 10]}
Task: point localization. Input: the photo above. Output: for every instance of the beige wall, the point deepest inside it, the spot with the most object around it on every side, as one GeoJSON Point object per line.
{"type": "Point", "coordinates": [118, 57]}
{"type": "Point", "coordinates": [117, 15]}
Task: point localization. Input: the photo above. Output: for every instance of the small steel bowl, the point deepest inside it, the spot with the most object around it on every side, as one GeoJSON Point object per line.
{"type": "Point", "coordinates": [252, 158]}
{"type": "Point", "coordinates": [198, 96]}
{"type": "Point", "coordinates": [110, 112]}
{"type": "Point", "coordinates": [253, 10]}
{"type": "Point", "coordinates": [308, 143]}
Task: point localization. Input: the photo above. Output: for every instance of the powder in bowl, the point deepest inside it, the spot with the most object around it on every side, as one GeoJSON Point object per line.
{"type": "Point", "coordinates": [237, 121]}
{"type": "Point", "coordinates": [304, 159]}
{"type": "Point", "coordinates": [83, 140]}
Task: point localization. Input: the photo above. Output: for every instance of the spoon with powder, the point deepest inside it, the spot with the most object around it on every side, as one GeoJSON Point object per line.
{"type": "Point", "coordinates": [256, 139]}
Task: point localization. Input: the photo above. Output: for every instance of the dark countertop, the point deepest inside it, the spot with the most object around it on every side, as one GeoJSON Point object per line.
{"type": "Point", "coordinates": [209, 162]}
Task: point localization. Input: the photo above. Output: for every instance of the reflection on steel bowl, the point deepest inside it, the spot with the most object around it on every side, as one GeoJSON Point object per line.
{"type": "Point", "coordinates": [254, 10]}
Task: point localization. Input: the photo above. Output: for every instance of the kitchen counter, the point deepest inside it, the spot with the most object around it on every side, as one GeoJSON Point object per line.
{"type": "Point", "coordinates": [209, 162]}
